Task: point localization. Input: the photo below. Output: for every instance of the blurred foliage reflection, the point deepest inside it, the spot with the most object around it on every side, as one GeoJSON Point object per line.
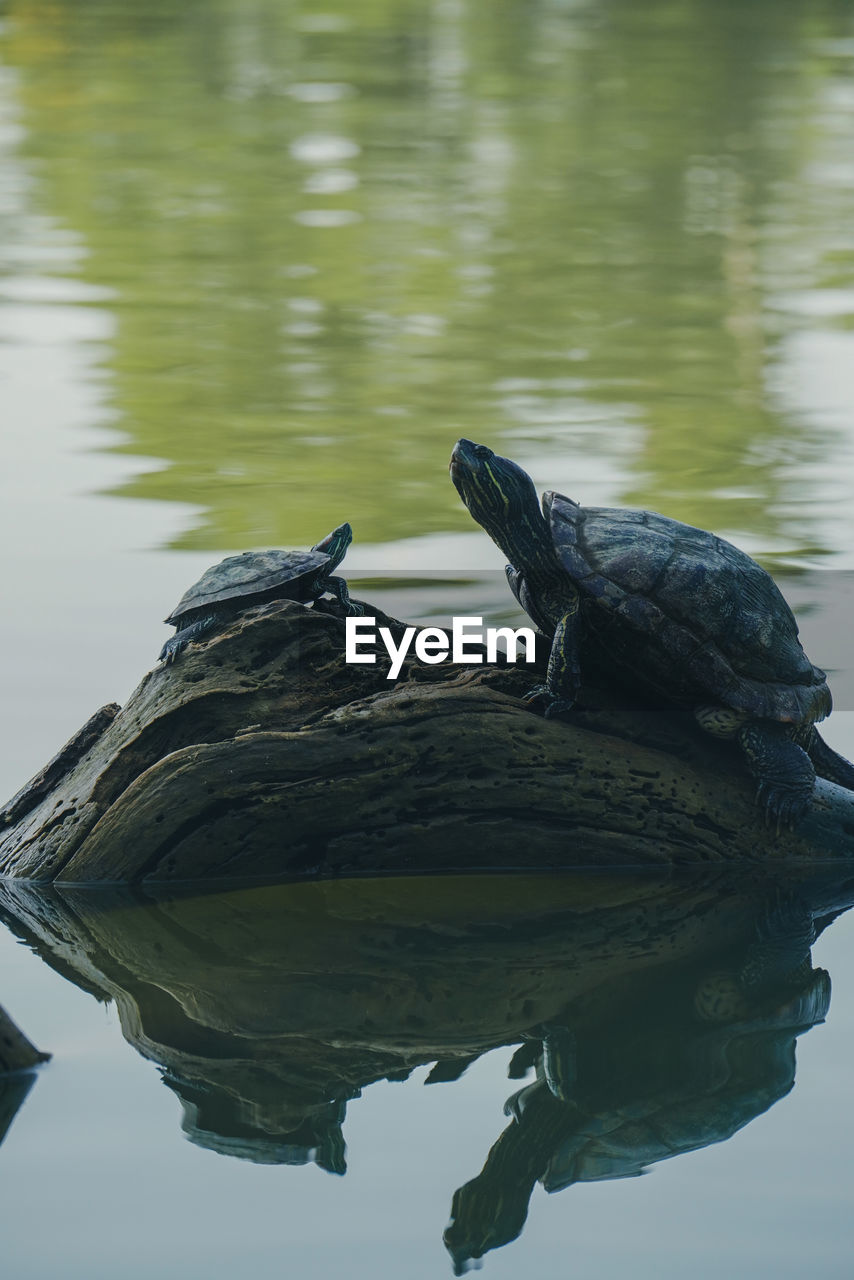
{"type": "Point", "coordinates": [337, 238]}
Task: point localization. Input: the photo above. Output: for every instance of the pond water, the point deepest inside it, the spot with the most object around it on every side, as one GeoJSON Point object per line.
{"type": "Point", "coordinates": [261, 263]}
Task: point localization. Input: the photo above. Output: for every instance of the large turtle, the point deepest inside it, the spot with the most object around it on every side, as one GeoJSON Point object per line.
{"type": "Point", "coordinates": [683, 612]}
{"type": "Point", "coordinates": [254, 577]}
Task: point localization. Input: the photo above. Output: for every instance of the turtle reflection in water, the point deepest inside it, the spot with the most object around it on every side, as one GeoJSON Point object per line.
{"type": "Point", "coordinates": [659, 1077]}
{"type": "Point", "coordinates": [254, 577]}
{"type": "Point", "coordinates": [683, 613]}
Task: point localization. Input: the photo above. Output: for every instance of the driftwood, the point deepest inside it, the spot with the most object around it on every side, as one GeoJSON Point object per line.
{"type": "Point", "coordinates": [263, 754]}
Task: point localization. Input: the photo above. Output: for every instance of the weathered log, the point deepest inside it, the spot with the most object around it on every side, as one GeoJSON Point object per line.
{"type": "Point", "coordinates": [262, 753]}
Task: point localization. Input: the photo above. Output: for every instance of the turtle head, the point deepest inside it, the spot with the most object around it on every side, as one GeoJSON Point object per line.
{"type": "Point", "coordinates": [335, 544]}
{"type": "Point", "coordinates": [501, 497]}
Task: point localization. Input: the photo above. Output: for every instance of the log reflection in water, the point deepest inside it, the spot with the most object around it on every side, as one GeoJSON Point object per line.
{"type": "Point", "coordinates": [18, 1061]}
{"type": "Point", "coordinates": [660, 1013]}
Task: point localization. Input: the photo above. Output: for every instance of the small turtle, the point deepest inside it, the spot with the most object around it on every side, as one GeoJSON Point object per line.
{"type": "Point", "coordinates": [686, 614]}
{"type": "Point", "coordinates": [238, 582]}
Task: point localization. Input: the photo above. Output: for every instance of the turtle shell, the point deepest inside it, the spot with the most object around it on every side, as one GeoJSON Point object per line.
{"type": "Point", "coordinates": [693, 614]}
{"type": "Point", "coordinates": [250, 574]}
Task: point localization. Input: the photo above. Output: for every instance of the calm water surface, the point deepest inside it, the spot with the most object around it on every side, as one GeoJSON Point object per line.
{"type": "Point", "coordinates": [260, 264]}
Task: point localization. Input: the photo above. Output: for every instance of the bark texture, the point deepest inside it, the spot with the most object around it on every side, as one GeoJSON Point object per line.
{"type": "Point", "coordinates": [262, 753]}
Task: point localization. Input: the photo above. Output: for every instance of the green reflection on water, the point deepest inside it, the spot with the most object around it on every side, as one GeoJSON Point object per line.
{"type": "Point", "coordinates": [338, 239]}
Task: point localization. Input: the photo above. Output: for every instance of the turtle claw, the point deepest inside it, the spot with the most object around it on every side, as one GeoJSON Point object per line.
{"type": "Point", "coordinates": [558, 707]}
{"type": "Point", "coordinates": [552, 706]}
{"type": "Point", "coordinates": [169, 653]}
{"type": "Point", "coordinates": [782, 810]}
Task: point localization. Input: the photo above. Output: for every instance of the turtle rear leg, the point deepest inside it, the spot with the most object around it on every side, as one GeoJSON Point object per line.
{"type": "Point", "coordinates": [777, 966]}
{"type": "Point", "coordinates": [828, 764]}
{"type": "Point", "coordinates": [780, 952]}
{"type": "Point", "coordinates": [783, 771]}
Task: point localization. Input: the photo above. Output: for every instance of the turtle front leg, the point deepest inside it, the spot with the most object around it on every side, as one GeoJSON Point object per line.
{"type": "Point", "coordinates": [783, 771]}
{"type": "Point", "coordinates": [563, 678]}
{"type": "Point", "coordinates": [560, 1061]}
{"type": "Point", "coordinates": [337, 587]}
{"type": "Point", "coordinates": [177, 643]}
